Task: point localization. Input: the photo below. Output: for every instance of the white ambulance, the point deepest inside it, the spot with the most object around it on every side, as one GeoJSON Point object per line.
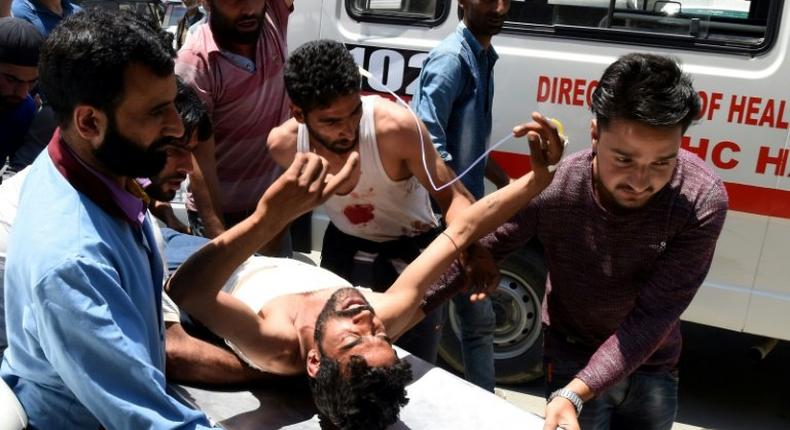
{"type": "Point", "coordinates": [551, 53]}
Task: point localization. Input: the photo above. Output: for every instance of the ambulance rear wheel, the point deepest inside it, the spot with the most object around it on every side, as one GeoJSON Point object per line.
{"type": "Point", "coordinates": [518, 339]}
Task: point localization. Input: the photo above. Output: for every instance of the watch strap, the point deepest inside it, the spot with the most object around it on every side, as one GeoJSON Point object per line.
{"type": "Point", "coordinates": [571, 396]}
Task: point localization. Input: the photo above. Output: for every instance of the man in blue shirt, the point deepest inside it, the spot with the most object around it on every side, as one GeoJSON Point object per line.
{"type": "Point", "coordinates": [83, 279]}
{"type": "Point", "coordinates": [454, 100]}
{"type": "Point", "coordinates": [19, 48]}
{"type": "Point", "coordinates": [43, 14]}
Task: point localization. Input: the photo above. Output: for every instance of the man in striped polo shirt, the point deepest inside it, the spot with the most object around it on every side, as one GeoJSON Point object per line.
{"type": "Point", "coordinates": [235, 63]}
{"type": "Point", "coordinates": [629, 227]}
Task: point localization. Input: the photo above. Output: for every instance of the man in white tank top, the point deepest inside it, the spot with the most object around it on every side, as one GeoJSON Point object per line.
{"type": "Point", "coordinates": [340, 337]}
{"type": "Point", "coordinates": [383, 218]}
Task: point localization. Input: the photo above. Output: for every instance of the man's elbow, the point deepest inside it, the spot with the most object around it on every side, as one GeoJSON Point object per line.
{"type": "Point", "coordinates": [178, 293]}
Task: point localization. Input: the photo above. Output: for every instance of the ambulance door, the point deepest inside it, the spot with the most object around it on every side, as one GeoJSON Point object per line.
{"type": "Point", "coordinates": [304, 23]}
{"type": "Point", "coordinates": [769, 307]}
{"type": "Point", "coordinates": [551, 53]}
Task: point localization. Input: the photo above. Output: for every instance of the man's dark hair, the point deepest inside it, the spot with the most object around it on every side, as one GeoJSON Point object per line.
{"type": "Point", "coordinates": [192, 111]}
{"type": "Point", "coordinates": [20, 42]}
{"type": "Point", "coordinates": [362, 397]}
{"type": "Point", "coordinates": [647, 88]}
{"type": "Point", "coordinates": [319, 72]}
{"type": "Point", "coordinates": [84, 59]}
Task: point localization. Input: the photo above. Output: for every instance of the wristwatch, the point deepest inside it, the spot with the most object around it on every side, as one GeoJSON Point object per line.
{"type": "Point", "coordinates": [572, 397]}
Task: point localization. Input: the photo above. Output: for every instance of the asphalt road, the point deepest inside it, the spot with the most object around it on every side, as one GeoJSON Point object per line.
{"type": "Point", "coordinates": [721, 387]}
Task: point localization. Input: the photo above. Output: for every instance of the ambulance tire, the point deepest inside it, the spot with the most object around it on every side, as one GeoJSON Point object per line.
{"type": "Point", "coordinates": [518, 338]}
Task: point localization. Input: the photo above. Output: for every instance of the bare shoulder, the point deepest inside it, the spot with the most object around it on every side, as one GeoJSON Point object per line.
{"type": "Point", "coordinates": [281, 142]}
{"type": "Point", "coordinates": [394, 123]}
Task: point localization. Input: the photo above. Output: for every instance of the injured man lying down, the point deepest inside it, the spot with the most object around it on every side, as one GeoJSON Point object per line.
{"type": "Point", "coordinates": [286, 317]}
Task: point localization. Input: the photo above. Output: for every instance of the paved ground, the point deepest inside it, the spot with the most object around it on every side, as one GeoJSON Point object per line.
{"type": "Point", "coordinates": [720, 386]}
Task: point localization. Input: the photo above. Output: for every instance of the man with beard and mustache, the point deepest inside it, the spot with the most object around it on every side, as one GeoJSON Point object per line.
{"type": "Point", "coordinates": [455, 99]}
{"type": "Point", "coordinates": [19, 49]}
{"type": "Point", "coordinates": [629, 228]}
{"type": "Point", "coordinates": [381, 222]}
{"type": "Point", "coordinates": [286, 317]}
{"type": "Point", "coordinates": [163, 187]}
{"type": "Point", "coordinates": [235, 63]}
{"type": "Point", "coordinates": [83, 275]}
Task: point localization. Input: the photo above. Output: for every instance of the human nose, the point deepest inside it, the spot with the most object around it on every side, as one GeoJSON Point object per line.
{"type": "Point", "coordinates": [364, 316]}
{"type": "Point", "coordinates": [640, 178]}
{"type": "Point", "coordinates": [348, 130]}
{"type": "Point", "coordinates": [248, 7]}
{"type": "Point", "coordinates": [173, 126]}
{"type": "Point", "coordinates": [184, 164]}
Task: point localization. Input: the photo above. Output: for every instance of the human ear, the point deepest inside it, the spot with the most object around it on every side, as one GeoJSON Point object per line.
{"type": "Point", "coordinates": [313, 362]}
{"type": "Point", "coordinates": [297, 113]}
{"type": "Point", "coordinates": [594, 135]}
{"type": "Point", "coordinates": [90, 124]}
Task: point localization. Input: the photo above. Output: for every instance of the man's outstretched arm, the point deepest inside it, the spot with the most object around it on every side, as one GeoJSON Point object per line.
{"type": "Point", "coordinates": [196, 284]}
{"type": "Point", "coordinates": [400, 308]}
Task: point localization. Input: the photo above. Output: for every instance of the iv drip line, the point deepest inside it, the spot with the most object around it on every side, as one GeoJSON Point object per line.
{"type": "Point", "coordinates": [370, 76]}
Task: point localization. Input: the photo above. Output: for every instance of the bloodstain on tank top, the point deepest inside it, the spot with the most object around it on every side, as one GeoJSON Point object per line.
{"type": "Point", "coordinates": [359, 214]}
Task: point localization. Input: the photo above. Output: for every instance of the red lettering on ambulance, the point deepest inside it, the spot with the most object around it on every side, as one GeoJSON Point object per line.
{"type": "Point", "coordinates": [709, 104]}
{"type": "Point", "coordinates": [554, 90]}
{"type": "Point", "coordinates": [767, 117]}
{"type": "Point", "coordinates": [780, 116]}
{"type": "Point", "coordinates": [564, 96]}
{"type": "Point", "coordinates": [752, 110]}
{"type": "Point", "coordinates": [700, 150]}
{"type": "Point", "coordinates": [737, 105]}
{"type": "Point", "coordinates": [779, 161]}
{"type": "Point", "coordinates": [565, 91]}
{"type": "Point", "coordinates": [578, 92]}
{"type": "Point", "coordinates": [718, 160]}
{"type": "Point", "coordinates": [544, 88]}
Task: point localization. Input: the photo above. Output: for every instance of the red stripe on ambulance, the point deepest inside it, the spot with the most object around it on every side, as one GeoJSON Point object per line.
{"type": "Point", "coordinates": [743, 198]}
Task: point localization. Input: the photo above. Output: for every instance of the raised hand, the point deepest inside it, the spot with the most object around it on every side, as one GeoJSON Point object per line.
{"type": "Point", "coordinates": [546, 145]}
{"type": "Point", "coordinates": [305, 185]}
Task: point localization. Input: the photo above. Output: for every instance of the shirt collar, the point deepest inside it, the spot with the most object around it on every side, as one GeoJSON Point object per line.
{"type": "Point", "coordinates": [211, 44]}
{"type": "Point", "coordinates": [474, 45]}
{"type": "Point", "coordinates": [127, 203]}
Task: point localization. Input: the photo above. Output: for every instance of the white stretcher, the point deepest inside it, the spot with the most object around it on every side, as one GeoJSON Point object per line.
{"type": "Point", "coordinates": [437, 400]}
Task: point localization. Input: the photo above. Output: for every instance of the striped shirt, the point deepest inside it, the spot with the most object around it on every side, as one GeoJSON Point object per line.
{"type": "Point", "coordinates": [619, 280]}
{"type": "Point", "coordinates": [245, 100]}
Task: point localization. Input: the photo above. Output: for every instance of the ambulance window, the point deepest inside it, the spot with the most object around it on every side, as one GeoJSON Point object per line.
{"type": "Point", "coordinates": [416, 12]}
{"type": "Point", "coordinates": [746, 26]}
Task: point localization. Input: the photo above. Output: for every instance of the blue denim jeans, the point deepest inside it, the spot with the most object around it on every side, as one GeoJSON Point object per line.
{"type": "Point", "coordinates": [643, 400]}
{"type": "Point", "coordinates": [179, 246]}
{"type": "Point", "coordinates": [477, 340]}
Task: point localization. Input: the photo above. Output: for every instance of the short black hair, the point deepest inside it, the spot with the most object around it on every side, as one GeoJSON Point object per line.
{"type": "Point", "coordinates": [319, 72]}
{"type": "Point", "coordinates": [84, 58]}
{"type": "Point", "coordinates": [364, 398]}
{"type": "Point", "coordinates": [192, 111]}
{"type": "Point", "coordinates": [20, 42]}
{"type": "Point", "coordinates": [650, 89]}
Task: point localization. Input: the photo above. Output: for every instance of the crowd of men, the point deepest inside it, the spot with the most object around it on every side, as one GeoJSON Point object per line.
{"type": "Point", "coordinates": [104, 305]}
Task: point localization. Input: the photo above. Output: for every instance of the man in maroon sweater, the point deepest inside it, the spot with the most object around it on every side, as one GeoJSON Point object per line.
{"type": "Point", "coordinates": [629, 229]}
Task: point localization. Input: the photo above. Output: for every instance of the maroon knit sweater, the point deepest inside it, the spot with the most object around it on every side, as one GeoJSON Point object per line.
{"type": "Point", "coordinates": [619, 280]}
